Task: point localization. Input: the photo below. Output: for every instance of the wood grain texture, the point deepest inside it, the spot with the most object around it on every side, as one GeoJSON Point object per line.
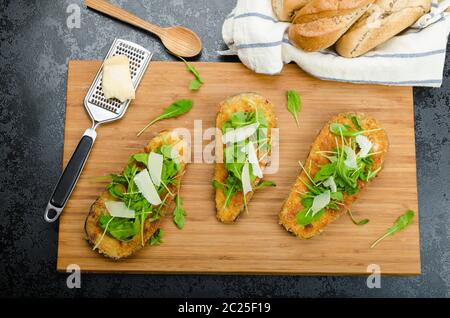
{"type": "Point", "coordinates": [255, 244]}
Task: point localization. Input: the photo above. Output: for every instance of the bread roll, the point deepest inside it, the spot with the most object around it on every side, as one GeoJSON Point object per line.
{"type": "Point", "coordinates": [321, 23]}
{"type": "Point", "coordinates": [285, 9]}
{"type": "Point", "coordinates": [383, 20]}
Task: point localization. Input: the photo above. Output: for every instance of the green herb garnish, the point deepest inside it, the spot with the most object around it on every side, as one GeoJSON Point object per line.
{"type": "Point", "coordinates": [345, 130]}
{"type": "Point", "coordinates": [401, 223]}
{"type": "Point", "coordinates": [179, 213]}
{"type": "Point", "coordinates": [119, 228]}
{"type": "Point", "coordinates": [235, 158]}
{"type": "Point", "coordinates": [123, 188]}
{"type": "Point", "coordinates": [265, 184]}
{"type": "Point", "coordinates": [196, 83]}
{"type": "Point", "coordinates": [176, 109]}
{"type": "Point", "coordinates": [356, 122]}
{"type": "Point", "coordinates": [361, 222]}
{"type": "Point", "coordinates": [294, 104]}
{"type": "Point", "coordinates": [157, 237]}
{"type": "Point", "coordinates": [338, 174]}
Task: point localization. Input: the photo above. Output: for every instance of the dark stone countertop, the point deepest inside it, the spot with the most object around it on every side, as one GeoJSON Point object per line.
{"type": "Point", "coordinates": [35, 47]}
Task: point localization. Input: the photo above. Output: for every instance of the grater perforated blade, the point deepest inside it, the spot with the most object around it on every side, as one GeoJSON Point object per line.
{"type": "Point", "coordinates": [101, 110]}
{"type": "Point", "coordinates": [104, 110]}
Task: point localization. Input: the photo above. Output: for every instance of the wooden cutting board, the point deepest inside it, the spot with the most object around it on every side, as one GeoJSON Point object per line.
{"type": "Point", "coordinates": [255, 244]}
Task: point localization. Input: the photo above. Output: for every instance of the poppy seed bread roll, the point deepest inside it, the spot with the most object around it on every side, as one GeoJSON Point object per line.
{"type": "Point", "coordinates": [320, 23]}
{"type": "Point", "coordinates": [285, 9]}
{"type": "Point", "coordinates": [382, 21]}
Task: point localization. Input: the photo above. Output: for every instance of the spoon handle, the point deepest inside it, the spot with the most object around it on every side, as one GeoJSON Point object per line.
{"type": "Point", "coordinates": [107, 8]}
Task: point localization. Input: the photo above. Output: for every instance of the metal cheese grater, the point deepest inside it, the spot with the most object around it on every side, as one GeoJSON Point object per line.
{"type": "Point", "coordinates": [101, 110]}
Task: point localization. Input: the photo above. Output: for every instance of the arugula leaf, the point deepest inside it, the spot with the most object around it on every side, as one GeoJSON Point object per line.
{"type": "Point", "coordinates": [141, 158]}
{"type": "Point", "coordinates": [218, 185]}
{"type": "Point", "coordinates": [401, 223]}
{"type": "Point", "coordinates": [338, 196]}
{"type": "Point", "coordinates": [196, 83]}
{"type": "Point", "coordinates": [176, 109]}
{"type": "Point", "coordinates": [156, 238]}
{"type": "Point", "coordinates": [325, 172]}
{"type": "Point", "coordinates": [265, 184]}
{"type": "Point", "coordinates": [356, 122]}
{"type": "Point", "coordinates": [305, 216]}
{"type": "Point", "coordinates": [294, 105]}
{"type": "Point", "coordinates": [344, 130]}
{"type": "Point", "coordinates": [178, 213]}
{"type": "Point", "coordinates": [120, 228]}
{"type": "Point", "coordinates": [115, 190]}
{"type": "Point", "coordinates": [116, 178]}
{"type": "Point", "coordinates": [166, 151]}
{"type": "Point", "coordinates": [229, 192]}
{"type": "Point", "coordinates": [361, 222]}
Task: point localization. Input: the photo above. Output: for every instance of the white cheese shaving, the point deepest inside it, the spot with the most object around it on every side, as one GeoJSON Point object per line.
{"type": "Point", "coordinates": [320, 201]}
{"type": "Point", "coordinates": [155, 165]}
{"type": "Point", "coordinates": [364, 144]}
{"type": "Point", "coordinates": [118, 209]}
{"type": "Point", "coordinates": [146, 187]}
{"type": "Point", "coordinates": [331, 184]}
{"type": "Point", "coordinates": [253, 159]}
{"type": "Point", "coordinates": [246, 185]}
{"type": "Point", "coordinates": [116, 80]}
{"type": "Point", "coordinates": [351, 158]}
{"type": "Point", "coordinates": [239, 134]}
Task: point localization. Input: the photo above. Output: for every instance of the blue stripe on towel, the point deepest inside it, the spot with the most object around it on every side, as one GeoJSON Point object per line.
{"type": "Point", "coordinates": [388, 55]}
{"type": "Point", "coordinates": [412, 83]}
{"type": "Point", "coordinates": [258, 45]}
{"type": "Point", "coordinates": [409, 55]}
{"type": "Point", "coordinates": [256, 14]}
{"type": "Point", "coordinates": [251, 14]}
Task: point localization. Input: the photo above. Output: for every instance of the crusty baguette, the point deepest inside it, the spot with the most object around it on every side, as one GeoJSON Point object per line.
{"type": "Point", "coordinates": [243, 102]}
{"type": "Point", "coordinates": [383, 20]}
{"type": "Point", "coordinates": [326, 141]}
{"type": "Point", "coordinates": [320, 23]}
{"type": "Point", "coordinates": [285, 9]}
{"type": "Point", "coordinates": [116, 249]}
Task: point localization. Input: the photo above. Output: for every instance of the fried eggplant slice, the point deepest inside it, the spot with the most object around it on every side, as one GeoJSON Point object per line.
{"type": "Point", "coordinates": [340, 165]}
{"type": "Point", "coordinates": [249, 108]}
{"type": "Point", "coordinates": [115, 248]}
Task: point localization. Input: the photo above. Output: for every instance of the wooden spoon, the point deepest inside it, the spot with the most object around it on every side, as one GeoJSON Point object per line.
{"type": "Point", "coordinates": [178, 40]}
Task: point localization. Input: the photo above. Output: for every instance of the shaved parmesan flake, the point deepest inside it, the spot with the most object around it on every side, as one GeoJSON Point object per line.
{"type": "Point", "coordinates": [118, 209]}
{"type": "Point", "coordinates": [146, 187]}
{"type": "Point", "coordinates": [239, 134]}
{"type": "Point", "coordinates": [364, 144]}
{"type": "Point", "coordinates": [320, 201]}
{"type": "Point", "coordinates": [331, 184]}
{"type": "Point", "coordinates": [253, 159]}
{"type": "Point", "coordinates": [116, 81]}
{"type": "Point", "coordinates": [155, 164]}
{"type": "Point", "coordinates": [246, 185]}
{"type": "Point", "coordinates": [351, 158]}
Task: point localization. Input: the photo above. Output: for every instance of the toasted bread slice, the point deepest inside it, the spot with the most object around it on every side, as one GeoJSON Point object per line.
{"type": "Point", "coordinates": [117, 249]}
{"type": "Point", "coordinates": [245, 102]}
{"type": "Point", "coordinates": [326, 141]}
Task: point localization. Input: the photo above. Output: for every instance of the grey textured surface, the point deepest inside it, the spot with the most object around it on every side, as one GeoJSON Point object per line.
{"type": "Point", "coordinates": [35, 46]}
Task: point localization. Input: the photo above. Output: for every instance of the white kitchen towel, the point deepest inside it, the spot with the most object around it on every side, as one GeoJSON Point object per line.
{"type": "Point", "coordinates": [414, 58]}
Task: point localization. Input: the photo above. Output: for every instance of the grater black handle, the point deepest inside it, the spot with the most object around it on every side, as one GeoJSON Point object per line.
{"type": "Point", "coordinates": [70, 176]}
